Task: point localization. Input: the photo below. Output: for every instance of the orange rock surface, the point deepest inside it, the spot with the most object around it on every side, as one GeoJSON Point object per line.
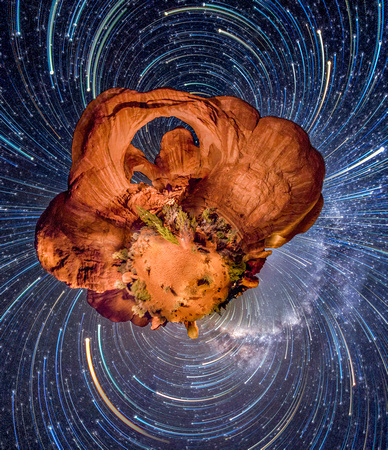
{"type": "Point", "coordinates": [258, 178]}
{"type": "Point", "coordinates": [186, 285]}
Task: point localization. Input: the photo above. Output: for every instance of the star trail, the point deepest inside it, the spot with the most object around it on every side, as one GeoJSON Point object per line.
{"type": "Point", "coordinates": [301, 361]}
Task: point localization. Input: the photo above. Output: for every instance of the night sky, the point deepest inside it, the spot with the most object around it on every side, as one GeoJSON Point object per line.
{"type": "Point", "coordinates": [301, 362]}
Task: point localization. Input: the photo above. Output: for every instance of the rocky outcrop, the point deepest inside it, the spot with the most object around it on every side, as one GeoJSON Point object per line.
{"type": "Point", "coordinates": [252, 184]}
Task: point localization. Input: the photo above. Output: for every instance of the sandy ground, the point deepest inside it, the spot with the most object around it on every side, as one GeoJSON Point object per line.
{"type": "Point", "coordinates": [184, 283]}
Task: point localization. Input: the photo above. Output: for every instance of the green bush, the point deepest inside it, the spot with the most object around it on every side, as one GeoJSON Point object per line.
{"type": "Point", "coordinates": [139, 290]}
{"type": "Point", "coordinates": [236, 270]}
{"type": "Point", "coordinates": [153, 221]}
{"type": "Point", "coordinates": [121, 254]}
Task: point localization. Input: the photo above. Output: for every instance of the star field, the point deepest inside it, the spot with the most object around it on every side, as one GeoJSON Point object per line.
{"type": "Point", "coordinates": [300, 362]}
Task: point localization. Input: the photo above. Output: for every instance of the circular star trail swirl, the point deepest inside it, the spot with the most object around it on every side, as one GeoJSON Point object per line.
{"type": "Point", "coordinates": [300, 362]}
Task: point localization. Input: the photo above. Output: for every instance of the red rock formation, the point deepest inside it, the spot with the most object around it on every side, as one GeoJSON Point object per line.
{"type": "Point", "coordinates": [253, 183]}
